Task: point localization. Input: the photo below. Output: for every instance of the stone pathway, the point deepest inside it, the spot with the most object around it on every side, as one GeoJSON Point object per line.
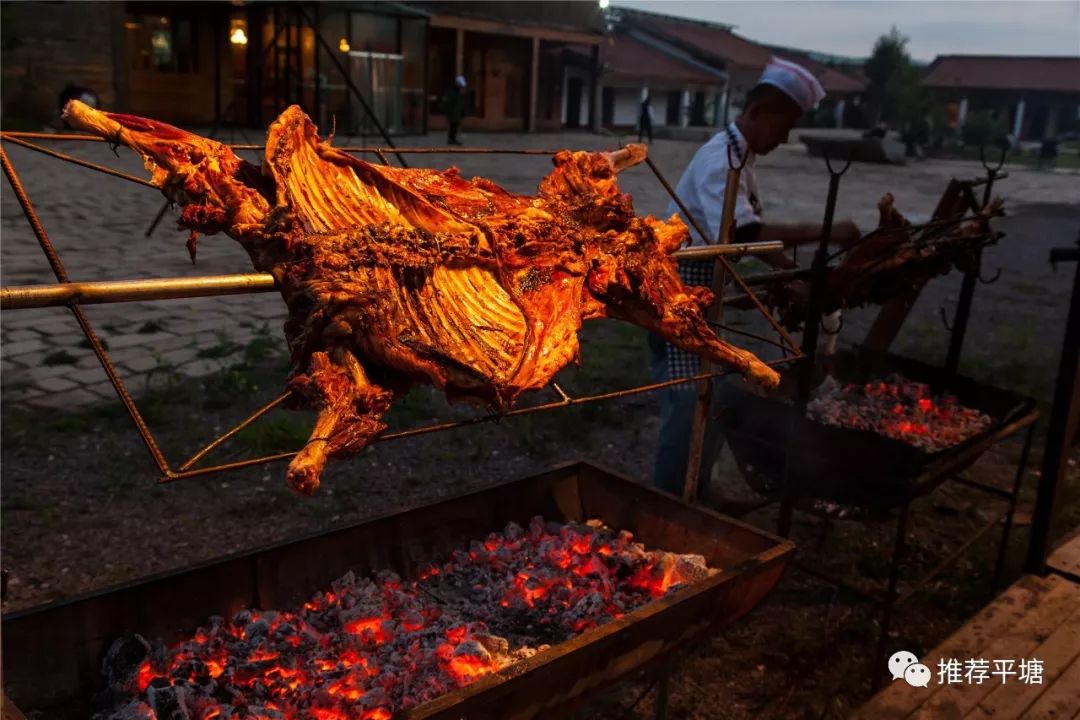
{"type": "Point", "coordinates": [97, 224]}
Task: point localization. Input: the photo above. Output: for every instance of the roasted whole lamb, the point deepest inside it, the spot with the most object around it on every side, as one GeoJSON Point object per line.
{"type": "Point", "coordinates": [396, 276]}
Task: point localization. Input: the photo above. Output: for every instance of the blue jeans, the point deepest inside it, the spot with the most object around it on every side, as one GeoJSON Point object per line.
{"type": "Point", "coordinates": [677, 406]}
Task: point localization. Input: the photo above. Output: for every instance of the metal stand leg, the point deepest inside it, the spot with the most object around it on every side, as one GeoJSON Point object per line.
{"type": "Point", "coordinates": [826, 525]}
{"type": "Point", "coordinates": [899, 546]}
{"type": "Point", "coordinates": [662, 693]}
{"type": "Point", "coordinates": [787, 508]}
{"type": "Point", "coordinates": [1003, 549]}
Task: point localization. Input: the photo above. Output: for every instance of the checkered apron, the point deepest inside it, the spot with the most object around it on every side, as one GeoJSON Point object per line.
{"type": "Point", "coordinates": [682, 364]}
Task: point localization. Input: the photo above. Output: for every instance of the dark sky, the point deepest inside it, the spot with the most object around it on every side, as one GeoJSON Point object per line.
{"type": "Point", "coordinates": [1019, 27]}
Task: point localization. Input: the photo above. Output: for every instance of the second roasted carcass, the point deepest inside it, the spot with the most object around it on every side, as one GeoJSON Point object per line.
{"type": "Point", "coordinates": [396, 276]}
{"type": "Point", "coordinates": [890, 262]}
{"type": "Point", "coordinates": [896, 258]}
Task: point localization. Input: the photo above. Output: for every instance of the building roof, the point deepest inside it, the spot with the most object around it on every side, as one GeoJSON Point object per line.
{"type": "Point", "coordinates": [718, 44]}
{"type": "Point", "coordinates": [1003, 72]}
{"type": "Point", "coordinates": [631, 57]}
{"type": "Point", "coordinates": [564, 15]}
{"type": "Point", "coordinates": [711, 41]}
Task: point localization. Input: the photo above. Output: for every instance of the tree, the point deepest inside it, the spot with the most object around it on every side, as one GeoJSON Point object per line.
{"type": "Point", "coordinates": [893, 93]}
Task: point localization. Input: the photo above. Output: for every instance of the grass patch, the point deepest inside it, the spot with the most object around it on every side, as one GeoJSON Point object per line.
{"type": "Point", "coordinates": [283, 432]}
{"type": "Point", "coordinates": [264, 345]}
{"type": "Point", "coordinates": [414, 409]}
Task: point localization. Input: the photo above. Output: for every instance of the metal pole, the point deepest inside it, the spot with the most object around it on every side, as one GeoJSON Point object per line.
{"type": "Point", "coordinates": [349, 81]}
{"type": "Point", "coordinates": [967, 293]}
{"type": "Point", "coordinates": [819, 272]}
{"type": "Point", "coordinates": [1064, 419]}
{"type": "Point", "coordinates": [116, 291]}
{"type": "Point", "coordinates": [899, 547]}
{"type": "Point", "coordinates": [714, 314]}
{"type": "Point", "coordinates": [1018, 479]}
{"type": "Point", "coordinates": [662, 693]}
{"type": "Point", "coordinates": [967, 289]}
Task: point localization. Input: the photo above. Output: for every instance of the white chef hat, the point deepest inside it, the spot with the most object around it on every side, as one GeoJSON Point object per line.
{"type": "Point", "coordinates": [460, 80]}
{"type": "Point", "coordinates": [795, 81]}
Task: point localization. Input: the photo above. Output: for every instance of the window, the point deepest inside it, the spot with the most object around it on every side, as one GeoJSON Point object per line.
{"type": "Point", "coordinates": [158, 43]}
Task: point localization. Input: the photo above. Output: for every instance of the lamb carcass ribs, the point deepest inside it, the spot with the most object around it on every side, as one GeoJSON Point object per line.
{"type": "Point", "coordinates": [396, 276]}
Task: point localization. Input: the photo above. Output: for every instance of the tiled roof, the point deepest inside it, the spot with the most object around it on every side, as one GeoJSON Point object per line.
{"type": "Point", "coordinates": [729, 50]}
{"type": "Point", "coordinates": [632, 57]}
{"type": "Point", "coordinates": [999, 72]}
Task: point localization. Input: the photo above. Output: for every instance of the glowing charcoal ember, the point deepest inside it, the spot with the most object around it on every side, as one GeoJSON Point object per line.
{"type": "Point", "coordinates": [370, 647]}
{"type": "Point", "coordinates": [897, 408]}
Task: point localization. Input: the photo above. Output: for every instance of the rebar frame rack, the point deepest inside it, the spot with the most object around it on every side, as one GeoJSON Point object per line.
{"type": "Point", "coordinates": [958, 200]}
{"type": "Point", "coordinates": [74, 295]}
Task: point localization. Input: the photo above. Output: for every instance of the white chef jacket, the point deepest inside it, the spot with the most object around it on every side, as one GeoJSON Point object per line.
{"type": "Point", "coordinates": [701, 187]}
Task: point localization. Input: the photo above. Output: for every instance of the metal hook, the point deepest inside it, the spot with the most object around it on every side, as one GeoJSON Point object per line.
{"type": "Point", "coordinates": [828, 164]}
{"type": "Point", "coordinates": [838, 329]}
{"type": "Point", "coordinates": [114, 141]}
{"type": "Point", "coordinates": [986, 166]}
{"type": "Point", "coordinates": [991, 281]}
{"type": "Point", "coordinates": [742, 159]}
{"type": "Point", "coordinates": [944, 319]}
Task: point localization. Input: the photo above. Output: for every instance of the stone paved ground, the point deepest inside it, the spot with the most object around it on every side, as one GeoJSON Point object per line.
{"type": "Point", "coordinates": [97, 224]}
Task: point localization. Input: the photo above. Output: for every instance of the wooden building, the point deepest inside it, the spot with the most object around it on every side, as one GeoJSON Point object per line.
{"type": "Point", "coordinates": [367, 67]}
{"type": "Point", "coordinates": [681, 90]}
{"type": "Point", "coordinates": [513, 57]}
{"type": "Point", "coordinates": [738, 59]}
{"type": "Point", "coordinates": [205, 63]}
{"type": "Point", "coordinates": [1039, 96]}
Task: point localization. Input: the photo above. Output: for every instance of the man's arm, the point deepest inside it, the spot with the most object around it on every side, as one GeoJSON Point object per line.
{"type": "Point", "coordinates": [793, 235]}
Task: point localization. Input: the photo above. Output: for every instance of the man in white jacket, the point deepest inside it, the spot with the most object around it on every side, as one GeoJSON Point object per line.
{"type": "Point", "coordinates": [783, 93]}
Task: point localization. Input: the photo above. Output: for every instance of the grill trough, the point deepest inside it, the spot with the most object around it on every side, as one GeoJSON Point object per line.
{"type": "Point", "coordinates": [53, 655]}
{"type": "Point", "coordinates": [858, 467]}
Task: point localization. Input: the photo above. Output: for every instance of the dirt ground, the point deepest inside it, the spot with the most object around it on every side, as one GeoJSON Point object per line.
{"type": "Point", "coordinates": [80, 509]}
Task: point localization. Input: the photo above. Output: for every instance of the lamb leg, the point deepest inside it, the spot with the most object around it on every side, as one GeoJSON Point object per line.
{"type": "Point", "coordinates": [350, 411]}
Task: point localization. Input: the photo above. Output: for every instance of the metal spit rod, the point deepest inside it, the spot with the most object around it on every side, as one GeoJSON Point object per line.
{"type": "Point", "coordinates": [115, 291]}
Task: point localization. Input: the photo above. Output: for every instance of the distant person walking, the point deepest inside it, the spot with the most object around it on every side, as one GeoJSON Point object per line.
{"type": "Point", "coordinates": [1048, 153]}
{"type": "Point", "coordinates": [645, 117]}
{"type": "Point", "coordinates": [455, 109]}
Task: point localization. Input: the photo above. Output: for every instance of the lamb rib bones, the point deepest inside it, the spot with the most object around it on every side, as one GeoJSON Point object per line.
{"type": "Point", "coordinates": [397, 276]}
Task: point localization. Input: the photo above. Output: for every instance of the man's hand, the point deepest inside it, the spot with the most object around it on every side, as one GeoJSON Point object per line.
{"type": "Point", "coordinates": [845, 233]}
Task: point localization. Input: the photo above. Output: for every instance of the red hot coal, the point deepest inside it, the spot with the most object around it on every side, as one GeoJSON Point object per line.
{"type": "Point", "coordinates": [898, 408]}
{"type": "Point", "coordinates": [369, 647]}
